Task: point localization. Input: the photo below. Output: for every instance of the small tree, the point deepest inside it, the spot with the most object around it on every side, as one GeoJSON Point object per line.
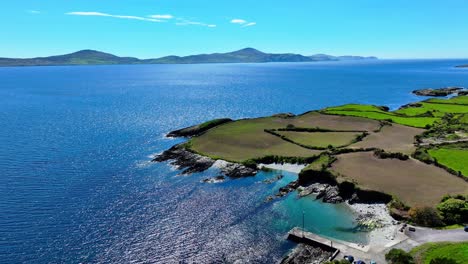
{"type": "Point", "coordinates": [425, 216]}
{"type": "Point", "coordinates": [453, 210]}
{"type": "Point", "coordinates": [398, 256]}
{"type": "Point", "coordinates": [443, 261]}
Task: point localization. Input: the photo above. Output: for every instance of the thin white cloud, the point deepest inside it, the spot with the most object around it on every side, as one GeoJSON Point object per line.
{"type": "Point", "coordinates": [250, 24]}
{"type": "Point", "coordinates": [184, 22]}
{"type": "Point", "coordinates": [238, 21]}
{"type": "Point", "coordinates": [113, 16]}
{"type": "Point", "coordinates": [33, 12]}
{"type": "Point", "coordinates": [167, 16]}
{"type": "Point", "coordinates": [243, 22]}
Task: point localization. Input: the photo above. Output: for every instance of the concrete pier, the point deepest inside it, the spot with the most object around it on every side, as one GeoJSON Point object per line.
{"type": "Point", "coordinates": [338, 247]}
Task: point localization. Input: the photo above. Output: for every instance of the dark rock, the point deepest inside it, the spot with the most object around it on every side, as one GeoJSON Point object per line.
{"type": "Point", "coordinates": [190, 162]}
{"type": "Point", "coordinates": [185, 160]}
{"type": "Point", "coordinates": [332, 195]}
{"type": "Point", "coordinates": [236, 170]}
{"type": "Point", "coordinates": [284, 115]}
{"type": "Point", "coordinates": [462, 66]}
{"type": "Point", "coordinates": [283, 191]}
{"type": "Point", "coordinates": [274, 179]}
{"type": "Point", "coordinates": [198, 129]}
{"type": "Point", "coordinates": [354, 199]}
{"type": "Point", "coordinates": [216, 179]}
{"type": "Point", "coordinates": [411, 105]}
{"type": "Point", "coordinates": [438, 92]}
{"type": "Point", "coordinates": [463, 92]}
{"type": "Point", "coordinates": [306, 254]}
{"type": "Point", "coordinates": [315, 188]}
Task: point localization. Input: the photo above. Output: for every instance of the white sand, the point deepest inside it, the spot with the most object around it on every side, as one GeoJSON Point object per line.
{"type": "Point", "coordinates": [385, 235]}
{"type": "Point", "coordinates": [295, 168]}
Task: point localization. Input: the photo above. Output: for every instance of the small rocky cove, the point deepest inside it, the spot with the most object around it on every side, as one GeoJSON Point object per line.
{"type": "Point", "coordinates": [189, 162]}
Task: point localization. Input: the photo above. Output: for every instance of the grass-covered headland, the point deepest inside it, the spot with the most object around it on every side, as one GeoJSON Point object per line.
{"type": "Point", "coordinates": [417, 154]}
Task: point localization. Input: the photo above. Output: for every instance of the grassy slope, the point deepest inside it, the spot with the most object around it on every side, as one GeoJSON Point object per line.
{"type": "Point", "coordinates": [453, 100]}
{"type": "Point", "coordinates": [425, 253]}
{"type": "Point", "coordinates": [245, 139]}
{"type": "Point", "coordinates": [321, 139]}
{"type": "Point", "coordinates": [373, 112]}
{"type": "Point", "coordinates": [437, 109]}
{"type": "Point", "coordinates": [456, 159]}
{"type": "Point", "coordinates": [318, 164]}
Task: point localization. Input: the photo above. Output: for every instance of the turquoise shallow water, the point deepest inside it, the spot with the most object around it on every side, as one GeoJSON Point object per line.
{"type": "Point", "coordinates": [76, 184]}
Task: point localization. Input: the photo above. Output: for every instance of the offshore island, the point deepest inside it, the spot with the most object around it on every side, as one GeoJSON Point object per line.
{"type": "Point", "coordinates": [394, 168]}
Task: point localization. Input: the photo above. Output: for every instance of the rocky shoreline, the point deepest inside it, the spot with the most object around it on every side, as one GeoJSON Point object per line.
{"type": "Point", "coordinates": [303, 253]}
{"type": "Point", "coordinates": [439, 91]}
{"type": "Point", "coordinates": [189, 162]}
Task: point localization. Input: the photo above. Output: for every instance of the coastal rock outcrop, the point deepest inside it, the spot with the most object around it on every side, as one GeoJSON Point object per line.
{"type": "Point", "coordinates": [438, 92]}
{"type": "Point", "coordinates": [185, 160]}
{"type": "Point", "coordinates": [274, 179]}
{"type": "Point", "coordinates": [307, 254]}
{"type": "Point", "coordinates": [217, 179]}
{"type": "Point", "coordinates": [190, 162]}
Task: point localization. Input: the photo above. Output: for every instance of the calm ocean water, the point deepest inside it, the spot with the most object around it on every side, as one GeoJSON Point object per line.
{"type": "Point", "coordinates": [76, 184]}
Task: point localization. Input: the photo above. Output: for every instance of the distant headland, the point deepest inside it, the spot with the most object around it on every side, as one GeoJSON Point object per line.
{"type": "Point", "coordinates": [247, 55]}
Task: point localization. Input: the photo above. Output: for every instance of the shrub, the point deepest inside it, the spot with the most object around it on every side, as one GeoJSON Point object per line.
{"type": "Point", "coordinates": [453, 210]}
{"type": "Point", "coordinates": [250, 164]}
{"type": "Point", "coordinates": [382, 154]}
{"type": "Point", "coordinates": [425, 216]}
{"type": "Point", "coordinates": [398, 256]}
{"type": "Point", "coordinates": [343, 261]}
{"type": "Point", "coordinates": [443, 261]}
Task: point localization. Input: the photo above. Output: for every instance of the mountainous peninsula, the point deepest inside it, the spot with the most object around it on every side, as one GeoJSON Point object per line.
{"type": "Point", "coordinates": [247, 55]}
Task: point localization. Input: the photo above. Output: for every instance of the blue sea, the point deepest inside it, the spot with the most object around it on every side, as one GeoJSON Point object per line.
{"type": "Point", "coordinates": [77, 184]}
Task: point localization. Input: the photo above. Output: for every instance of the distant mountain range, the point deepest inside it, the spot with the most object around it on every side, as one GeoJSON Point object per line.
{"type": "Point", "coordinates": [247, 55]}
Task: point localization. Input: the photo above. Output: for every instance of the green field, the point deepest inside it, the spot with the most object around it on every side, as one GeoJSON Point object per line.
{"type": "Point", "coordinates": [407, 121]}
{"type": "Point", "coordinates": [425, 253]}
{"type": "Point", "coordinates": [320, 163]}
{"type": "Point", "coordinates": [453, 100]}
{"type": "Point", "coordinates": [454, 158]}
{"type": "Point", "coordinates": [429, 111]}
{"type": "Point", "coordinates": [436, 109]}
{"type": "Point", "coordinates": [246, 139]}
{"type": "Point", "coordinates": [321, 139]}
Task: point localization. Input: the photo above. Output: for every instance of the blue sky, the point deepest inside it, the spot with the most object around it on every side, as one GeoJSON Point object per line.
{"type": "Point", "coordinates": [154, 28]}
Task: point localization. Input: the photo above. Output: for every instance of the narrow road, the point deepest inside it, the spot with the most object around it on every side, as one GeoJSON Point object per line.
{"type": "Point", "coordinates": [424, 235]}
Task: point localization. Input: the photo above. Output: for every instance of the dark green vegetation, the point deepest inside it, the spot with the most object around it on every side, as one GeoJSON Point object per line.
{"type": "Point", "coordinates": [454, 209]}
{"type": "Point", "coordinates": [398, 256]}
{"type": "Point", "coordinates": [91, 57]}
{"type": "Point", "coordinates": [441, 253]}
{"type": "Point", "coordinates": [198, 129]}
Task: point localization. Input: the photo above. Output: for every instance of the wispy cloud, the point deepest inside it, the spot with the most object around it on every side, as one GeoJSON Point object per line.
{"type": "Point", "coordinates": [99, 14]}
{"type": "Point", "coordinates": [250, 24]}
{"type": "Point", "coordinates": [33, 12]}
{"type": "Point", "coordinates": [242, 22]}
{"type": "Point", "coordinates": [185, 22]}
{"type": "Point", "coordinates": [150, 18]}
{"type": "Point", "coordinates": [167, 16]}
{"type": "Point", "coordinates": [238, 21]}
